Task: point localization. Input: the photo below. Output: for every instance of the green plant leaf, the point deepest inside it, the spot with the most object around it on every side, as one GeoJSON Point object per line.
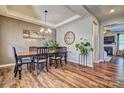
{"type": "Point", "coordinates": [84, 47]}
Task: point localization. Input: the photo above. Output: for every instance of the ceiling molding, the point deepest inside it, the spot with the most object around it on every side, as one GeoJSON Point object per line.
{"type": "Point", "coordinates": [68, 20]}
{"type": "Point", "coordinates": [29, 19]}
{"type": "Point", "coordinates": [78, 9]}
{"type": "Point", "coordinates": [91, 13]}
{"type": "Point", "coordinates": [76, 16]}
{"type": "Point", "coordinates": [19, 16]}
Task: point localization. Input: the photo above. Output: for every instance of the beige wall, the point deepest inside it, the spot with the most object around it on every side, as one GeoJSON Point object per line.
{"type": "Point", "coordinates": [11, 34]}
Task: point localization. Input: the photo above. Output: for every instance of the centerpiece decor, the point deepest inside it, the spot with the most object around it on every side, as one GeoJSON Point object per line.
{"type": "Point", "coordinates": [46, 43]}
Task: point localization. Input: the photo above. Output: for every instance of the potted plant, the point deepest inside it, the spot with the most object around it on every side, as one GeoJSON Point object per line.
{"type": "Point", "coordinates": [54, 45]}
{"type": "Point", "coordinates": [84, 47]}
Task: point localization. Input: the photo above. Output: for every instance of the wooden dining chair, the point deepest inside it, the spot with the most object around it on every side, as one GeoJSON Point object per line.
{"type": "Point", "coordinates": [33, 49]}
{"type": "Point", "coordinates": [55, 58]}
{"type": "Point", "coordinates": [17, 65]}
{"type": "Point", "coordinates": [41, 58]}
{"type": "Point", "coordinates": [19, 62]}
{"type": "Point", "coordinates": [64, 55]}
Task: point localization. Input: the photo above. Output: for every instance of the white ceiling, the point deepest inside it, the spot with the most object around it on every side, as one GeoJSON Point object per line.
{"type": "Point", "coordinates": [102, 12]}
{"type": "Point", "coordinates": [57, 14]}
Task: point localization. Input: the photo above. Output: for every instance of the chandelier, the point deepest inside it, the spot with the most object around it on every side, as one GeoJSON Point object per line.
{"type": "Point", "coordinates": [45, 31]}
{"type": "Point", "coordinates": [106, 29]}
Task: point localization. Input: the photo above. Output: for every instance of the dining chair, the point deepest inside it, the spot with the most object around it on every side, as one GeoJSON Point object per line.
{"type": "Point", "coordinates": [33, 49]}
{"type": "Point", "coordinates": [41, 58]}
{"type": "Point", "coordinates": [64, 55]}
{"type": "Point", "coordinates": [55, 57]}
{"type": "Point", "coordinates": [19, 62]}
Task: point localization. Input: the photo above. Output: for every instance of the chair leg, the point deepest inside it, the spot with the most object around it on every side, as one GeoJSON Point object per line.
{"type": "Point", "coordinates": [30, 66]}
{"type": "Point", "coordinates": [16, 71]}
{"type": "Point", "coordinates": [15, 68]}
{"type": "Point", "coordinates": [56, 64]}
{"type": "Point", "coordinates": [19, 74]}
{"type": "Point", "coordinates": [61, 62]}
{"type": "Point", "coordinates": [50, 62]}
{"type": "Point", "coordinates": [47, 66]}
{"type": "Point", "coordinates": [41, 66]}
{"type": "Point", "coordinates": [27, 66]}
{"type": "Point", "coordinates": [20, 70]}
{"type": "Point", "coordinates": [37, 68]}
{"type": "Point", "coordinates": [33, 66]}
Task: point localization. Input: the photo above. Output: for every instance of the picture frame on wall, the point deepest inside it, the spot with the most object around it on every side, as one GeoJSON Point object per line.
{"type": "Point", "coordinates": [26, 33]}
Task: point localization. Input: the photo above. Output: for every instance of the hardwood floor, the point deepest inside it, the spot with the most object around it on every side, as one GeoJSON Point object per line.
{"type": "Point", "coordinates": [71, 75]}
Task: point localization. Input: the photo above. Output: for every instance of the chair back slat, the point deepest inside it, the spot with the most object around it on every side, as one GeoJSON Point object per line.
{"type": "Point", "coordinates": [42, 51]}
{"type": "Point", "coordinates": [33, 49]}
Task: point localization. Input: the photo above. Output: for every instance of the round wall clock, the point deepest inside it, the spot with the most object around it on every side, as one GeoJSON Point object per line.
{"type": "Point", "coordinates": [69, 37]}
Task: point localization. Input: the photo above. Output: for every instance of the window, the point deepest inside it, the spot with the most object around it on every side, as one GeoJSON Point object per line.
{"type": "Point", "coordinates": [121, 42]}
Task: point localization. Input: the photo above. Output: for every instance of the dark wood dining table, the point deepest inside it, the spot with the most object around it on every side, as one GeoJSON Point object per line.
{"type": "Point", "coordinates": [32, 54]}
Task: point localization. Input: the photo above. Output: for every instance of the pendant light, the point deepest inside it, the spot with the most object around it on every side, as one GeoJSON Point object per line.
{"type": "Point", "coordinates": [45, 31]}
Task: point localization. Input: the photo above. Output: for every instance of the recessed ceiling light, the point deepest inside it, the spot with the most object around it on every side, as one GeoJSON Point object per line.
{"type": "Point", "coordinates": [112, 10]}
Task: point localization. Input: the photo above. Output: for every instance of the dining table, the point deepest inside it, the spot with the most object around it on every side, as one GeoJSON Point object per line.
{"type": "Point", "coordinates": [21, 55]}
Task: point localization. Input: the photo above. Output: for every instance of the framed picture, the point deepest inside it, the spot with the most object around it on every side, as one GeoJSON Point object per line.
{"type": "Point", "coordinates": [26, 33]}
{"type": "Point", "coordinates": [31, 34]}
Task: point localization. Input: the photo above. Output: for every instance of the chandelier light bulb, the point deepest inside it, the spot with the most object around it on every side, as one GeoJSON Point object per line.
{"type": "Point", "coordinates": [112, 11]}
{"type": "Point", "coordinates": [46, 32]}
{"type": "Point", "coordinates": [42, 30]}
{"type": "Point", "coordinates": [49, 31]}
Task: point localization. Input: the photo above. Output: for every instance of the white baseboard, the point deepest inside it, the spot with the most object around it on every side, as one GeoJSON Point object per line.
{"type": "Point", "coordinates": [6, 65]}
{"type": "Point", "coordinates": [74, 61]}
{"type": "Point", "coordinates": [101, 60]}
{"type": "Point", "coordinates": [96, 61]}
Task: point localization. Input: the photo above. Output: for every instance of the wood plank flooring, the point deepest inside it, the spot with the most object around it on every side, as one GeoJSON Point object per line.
{"type": "Point", "coordinates": [71, 75]}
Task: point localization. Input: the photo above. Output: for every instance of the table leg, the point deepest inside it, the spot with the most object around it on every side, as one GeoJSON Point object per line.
{"type": "Point", "coordinates": [65, 58]}
{"type": "Point", "coordinates": [56, 63]}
